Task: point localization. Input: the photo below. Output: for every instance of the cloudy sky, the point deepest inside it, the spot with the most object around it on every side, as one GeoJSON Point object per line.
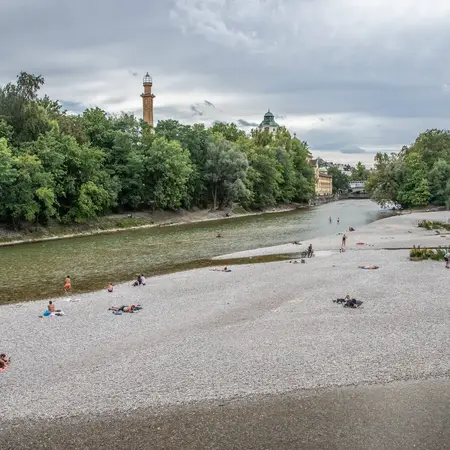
{"type": "Point", "coordinates": [349, 76]}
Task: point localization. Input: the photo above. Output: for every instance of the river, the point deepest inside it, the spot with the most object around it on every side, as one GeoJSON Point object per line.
{"type": "Point", "coordinates": [37, 270]}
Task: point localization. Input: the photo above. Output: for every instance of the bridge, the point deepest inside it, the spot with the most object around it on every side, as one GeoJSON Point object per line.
{"type": "Point", "coordinates": [357, 189]}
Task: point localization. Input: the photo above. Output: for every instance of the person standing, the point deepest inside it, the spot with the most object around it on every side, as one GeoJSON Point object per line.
{"type": "Point", "coordinates": [344, 240]}
{"type": "Point", "coordinates": [447, 260]}
{"type": "Point", "coordinates": [67, 284]}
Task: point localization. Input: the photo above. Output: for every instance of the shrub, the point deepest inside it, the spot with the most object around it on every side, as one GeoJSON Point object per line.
{"type": "Point", "coordinates": [433, 225]}
{"type": "Point", "coordinates": [428, 253]}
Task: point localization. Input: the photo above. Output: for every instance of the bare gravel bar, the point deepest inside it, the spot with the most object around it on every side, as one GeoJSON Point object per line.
{"type": "Point", "coordinates": [263, 329]}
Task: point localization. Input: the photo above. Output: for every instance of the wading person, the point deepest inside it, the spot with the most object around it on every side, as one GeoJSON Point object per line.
{"type": "Point", "coordinates": [344, 240]}
{"type": "Point", "coordinates": [67, 284]}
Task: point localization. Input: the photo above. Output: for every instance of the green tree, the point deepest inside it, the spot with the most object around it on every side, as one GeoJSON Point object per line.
{"type": "Point", "coordinates": [228, 130]}
{"type": "Point", "coordinates": [167, 170]}
{"type": "Point", "coordinates": [20, 109]}
{"type": "Point", "coordinates": [359, 172]}
{"type": "Point", "coordinates": [340, 180]}
{"type": "Point", "coordinates": [225, 171]}
{"type": "Point", "coordinates": [439, 182]}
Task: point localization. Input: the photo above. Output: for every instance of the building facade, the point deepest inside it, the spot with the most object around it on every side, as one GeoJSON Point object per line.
{"type": "Point", "coordinates": [323, 181]}
{"type": "Point", "coordinates": [147, 100]}
{"type": "Point", "coordinates": [268, 123]}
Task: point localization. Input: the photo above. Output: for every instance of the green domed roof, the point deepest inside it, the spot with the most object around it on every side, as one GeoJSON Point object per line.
{"type": "Point", "coordinates": [269, 120]}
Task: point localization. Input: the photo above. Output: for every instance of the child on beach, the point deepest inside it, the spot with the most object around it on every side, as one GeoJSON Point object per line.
{"type": "Point", "coordinates": [110, 287]}
{"type": "Point", "coordinates": [67, 284]}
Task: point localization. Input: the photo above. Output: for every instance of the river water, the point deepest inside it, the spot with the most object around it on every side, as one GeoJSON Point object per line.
{"type": "Point", "coordinates": [37, 270]}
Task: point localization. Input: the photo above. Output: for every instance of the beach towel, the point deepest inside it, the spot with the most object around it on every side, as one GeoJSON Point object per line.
{"type": "Point", "coordinates": [368, 267]}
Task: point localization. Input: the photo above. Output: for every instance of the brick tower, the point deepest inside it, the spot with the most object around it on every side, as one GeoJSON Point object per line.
{"type": "Point", "coordinates": [147, 100]}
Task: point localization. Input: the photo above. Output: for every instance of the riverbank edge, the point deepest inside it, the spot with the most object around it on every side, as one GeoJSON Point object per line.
{"type": "Point", "coordinates": [181, 219]}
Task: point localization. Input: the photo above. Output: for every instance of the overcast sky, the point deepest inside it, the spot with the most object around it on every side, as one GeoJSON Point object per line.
{"type": "Point", "coordinates": [348, 76]}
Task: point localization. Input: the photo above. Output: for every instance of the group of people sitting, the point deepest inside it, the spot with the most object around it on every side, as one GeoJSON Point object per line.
{"type": "Point", "coordinates": [140, 280]}
{"type": "Point", "coordinates": [4, 362]}
{"type": "Point", "coordinates": [348, 302]}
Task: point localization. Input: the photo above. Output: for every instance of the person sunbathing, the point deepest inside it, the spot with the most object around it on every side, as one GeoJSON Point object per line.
{"type": "Point", "coordinates": [4, 361]}
{"type": "Point", "coordinates": [124, 308]}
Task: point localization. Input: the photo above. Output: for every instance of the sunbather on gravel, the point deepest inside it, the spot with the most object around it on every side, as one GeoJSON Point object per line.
{"type": "Point", "coordinates": [123, 308]}
{"type": "Point", "coordinates": [4, 361]}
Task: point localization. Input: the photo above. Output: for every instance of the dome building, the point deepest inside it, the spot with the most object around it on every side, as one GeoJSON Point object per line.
{"type": "Point", "coordinates": [268, 123]}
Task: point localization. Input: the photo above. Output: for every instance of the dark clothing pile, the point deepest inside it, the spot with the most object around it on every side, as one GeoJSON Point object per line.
{"type": "Point", "coordinates": [349, 303]}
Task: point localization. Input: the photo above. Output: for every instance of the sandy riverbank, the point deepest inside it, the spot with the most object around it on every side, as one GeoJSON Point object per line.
{"type": "Point", "coordinates": [263, 329]}
{"type": "Point", "coordinates": [108, 224]}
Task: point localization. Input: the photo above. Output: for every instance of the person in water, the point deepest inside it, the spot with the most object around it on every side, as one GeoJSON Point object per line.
{"type": "Point", "coordinates": [110, 287]}
{"type": "Point", "coordinates": [329, 219]}
{"type": "Point", "coordinates": [67, 284]}
{"type": "Point", "coordinates": [338, 220]}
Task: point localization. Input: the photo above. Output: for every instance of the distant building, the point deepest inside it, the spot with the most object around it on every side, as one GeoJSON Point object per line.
{"type": "Point", "coordinates": [323, 181]}
{"type": "Point", "coordinates": [268, 123]}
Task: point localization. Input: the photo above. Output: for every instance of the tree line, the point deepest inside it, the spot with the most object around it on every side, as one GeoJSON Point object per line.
{"type": "Point", "coordinates": [74, 168]}
{"type": "Point", "coordinates": [418, 175]}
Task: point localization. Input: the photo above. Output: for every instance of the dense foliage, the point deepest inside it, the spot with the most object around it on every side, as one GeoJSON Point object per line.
{"type": "Point", "coordinates": [57, 166]}
{"type": "Point", "coordinates": [418, 175]}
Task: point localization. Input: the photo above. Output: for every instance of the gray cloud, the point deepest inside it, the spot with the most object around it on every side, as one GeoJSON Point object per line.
{"type": "Point", "coordinates": [352, 150]}
{"type": "Point", "coordinates": [245, 123]}
{"type": "Point", "coordinates": [341, 76]}
{"type": "Point", "coordinates": [196, 111]}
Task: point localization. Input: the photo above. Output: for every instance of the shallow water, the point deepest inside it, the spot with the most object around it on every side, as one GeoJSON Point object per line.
{"type": "Point", "coordinates": [31, 271]}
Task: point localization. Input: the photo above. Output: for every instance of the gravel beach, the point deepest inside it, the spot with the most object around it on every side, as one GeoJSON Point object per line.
{"type": "Point", "coordinates": [263, 329]}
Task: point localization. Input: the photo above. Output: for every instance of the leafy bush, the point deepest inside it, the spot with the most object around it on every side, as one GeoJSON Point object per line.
{"type": "Point", "coordinates": [434, 225]}
{"type": "Point", "coordinates": [428, 253]}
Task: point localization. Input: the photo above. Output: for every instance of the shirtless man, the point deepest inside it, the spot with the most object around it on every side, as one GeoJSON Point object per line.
{"type": "Point", "coordinates": [124, 308]}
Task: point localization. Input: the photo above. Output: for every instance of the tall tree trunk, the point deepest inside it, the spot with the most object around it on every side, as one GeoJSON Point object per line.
{"type": "Point", "coordinates": [215, 196]}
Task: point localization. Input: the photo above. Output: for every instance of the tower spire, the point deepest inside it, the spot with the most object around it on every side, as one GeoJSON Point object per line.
{"type": "Point", "coordinates": [147, 100]}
